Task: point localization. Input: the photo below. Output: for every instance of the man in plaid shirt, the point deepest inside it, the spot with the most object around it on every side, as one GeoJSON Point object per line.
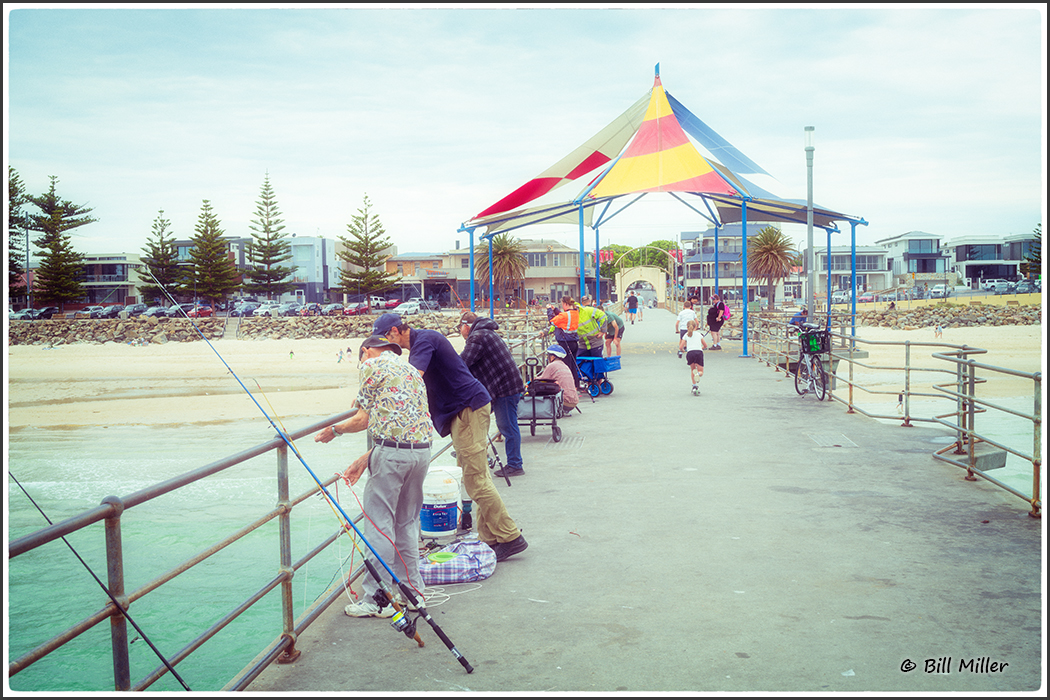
{"type": "Point", "coordinates": [488, 358]}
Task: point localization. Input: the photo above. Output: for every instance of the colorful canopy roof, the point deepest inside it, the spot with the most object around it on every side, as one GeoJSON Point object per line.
{"type": "Point", "coordinates": [659, 158]}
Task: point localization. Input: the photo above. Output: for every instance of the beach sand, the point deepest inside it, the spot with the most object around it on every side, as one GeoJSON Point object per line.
{"type": "Point", "coordinates": [187, 383]}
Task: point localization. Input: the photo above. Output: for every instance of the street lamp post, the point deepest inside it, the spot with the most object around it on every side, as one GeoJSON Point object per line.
{"type": "Point", "coordinates": [810, 258]}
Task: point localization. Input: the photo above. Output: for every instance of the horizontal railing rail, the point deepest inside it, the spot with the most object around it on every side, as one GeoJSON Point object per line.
{"type": "Point", "coordinates": [773, 342]}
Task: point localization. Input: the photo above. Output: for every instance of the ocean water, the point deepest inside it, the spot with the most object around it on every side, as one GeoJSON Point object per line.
{"type": "Point", "coordinates": [69, 471]}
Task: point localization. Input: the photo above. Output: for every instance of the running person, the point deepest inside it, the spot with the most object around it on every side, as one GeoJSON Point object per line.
{"type": "Point", "coordinates": [693, 344]}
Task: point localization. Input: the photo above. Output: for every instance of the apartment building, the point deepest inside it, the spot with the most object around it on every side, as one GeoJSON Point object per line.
{"type": "Point", "coordinates": [977, 258]}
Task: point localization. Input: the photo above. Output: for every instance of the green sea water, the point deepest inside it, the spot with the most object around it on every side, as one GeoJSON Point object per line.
{"type": "Point", "coordinates": [70, 471]}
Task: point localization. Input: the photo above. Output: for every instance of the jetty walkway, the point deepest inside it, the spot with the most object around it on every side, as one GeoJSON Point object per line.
{"type": "Point", "coordinates": [744, 540]}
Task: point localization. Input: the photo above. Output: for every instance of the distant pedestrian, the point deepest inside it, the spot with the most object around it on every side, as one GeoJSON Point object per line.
{"type": "Point", "coordinates": [291, 354]}
{"type": "Point", "coordinates": [339, 357]}
{"type": "Point", "coordinates": [632, 306]}
{"type": "Point", "coordinates": [693, 344]}
{"type": "Point", "coordinates": [937, 331]}
{"type": "Point", "coordinates": [715, 318]}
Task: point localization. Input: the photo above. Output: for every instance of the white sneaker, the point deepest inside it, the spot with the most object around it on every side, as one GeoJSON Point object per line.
{"type": "Point", "coordinates": [368, 608]}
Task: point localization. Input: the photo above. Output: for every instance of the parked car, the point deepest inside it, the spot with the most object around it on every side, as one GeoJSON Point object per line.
{"type": "Point", "coordinates": [865, 298]}
{"type": "Point", "coordinates": [940, 291]}
{"type": "Point", "coordinates": [45, 313]}
{"type": "Point", "coordinates": [244, 308]}
{"type": "Point", "coordinates": [135, 309]}
{"type": "Point", "coordinates": [429, 306]}
{"type": "Point", "coordinates": [355, 308]}
{"type": "Point", "coordinates": [22, 315]}
{"type": "Point", "coordinates": [1023, 287]}
{"type": "Point", "coordinates": [201, 311]}
{"type": "Point", "coordinates": [989, 285]}
{"type": "Point", "coordinates": [179, 310]}
{"type": "Point", "coordinates": [1001, 287]}
{"type": "Point", "coordinates": [268, 308]}
{"type": "Point", "coordinates": [310, 309]}
{"type": "Point", "coordinates": [407, 309]}
{"type": "Point", "coordinates": [841, 296]}
{"type": "Point", "coordinates": [393, 303]}
{"type": "Point", "coordinates": [156, 312]}
{"type": "Point", "coordinates": [332, 309]}
{"type": "Point", "coordinates": [290, 308]}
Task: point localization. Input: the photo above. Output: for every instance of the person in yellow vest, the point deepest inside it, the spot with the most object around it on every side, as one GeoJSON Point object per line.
{"type": "Point", "coordinates": [591, 330]}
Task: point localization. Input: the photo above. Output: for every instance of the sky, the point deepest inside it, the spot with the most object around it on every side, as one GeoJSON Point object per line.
{"type": "Point", "coordinates": [928, 119]}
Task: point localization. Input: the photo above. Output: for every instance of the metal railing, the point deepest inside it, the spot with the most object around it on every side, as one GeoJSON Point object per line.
{"type": "Point", "coordinates": [529, 344]}
{"type": "Point", "coordinates": [110, 513]}
{"type": "Point", "coordinates": [773, 342]}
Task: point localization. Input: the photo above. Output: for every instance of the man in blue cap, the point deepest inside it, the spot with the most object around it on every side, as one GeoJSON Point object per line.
{"type": "Point", "coordinates": [461, 407]}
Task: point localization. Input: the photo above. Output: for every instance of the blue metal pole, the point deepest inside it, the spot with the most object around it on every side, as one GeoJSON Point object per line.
{"type": "Point", "coordinates": [583, 260]}
{"type": "Point", "coordinates": [828, 265]}
{"type": "Point", "coordinates": [743, 257]}
{"type": "Point", "coordinates": [853, 275]}
{"type": "Point", "coordinates": [597, 271]}
{"type": "Point", "coordinates": [471, 270]}
{"type": "Point", "coordinates": [492, 301]}
{"type": "Point", "coordinates": [716, 258]}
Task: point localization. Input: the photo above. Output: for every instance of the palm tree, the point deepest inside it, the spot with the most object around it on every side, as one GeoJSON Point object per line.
{"type": "Point", "coordinates": [770, 256]}
{"type": "Point", "coordinates": [509, 263]}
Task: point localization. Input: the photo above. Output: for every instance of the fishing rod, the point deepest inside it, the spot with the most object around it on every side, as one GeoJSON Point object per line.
{"type": "Point", "coordinates": [349, 521]}
{"type": "Point", "coordinates": [121, 608]}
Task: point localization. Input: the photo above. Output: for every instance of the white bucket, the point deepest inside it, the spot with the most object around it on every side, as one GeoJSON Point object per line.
{"type": "Point", "coordinates": [439, 516]}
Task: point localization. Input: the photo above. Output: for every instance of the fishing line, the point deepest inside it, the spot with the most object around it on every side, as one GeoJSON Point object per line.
{"type": "Point", "coordinates": [405, 589]}
{"type": "Point", "coordinates": [120, 607]}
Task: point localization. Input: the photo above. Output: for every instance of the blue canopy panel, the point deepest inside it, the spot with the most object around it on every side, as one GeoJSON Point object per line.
{"type": "Point", "coordinates": [723, 151]}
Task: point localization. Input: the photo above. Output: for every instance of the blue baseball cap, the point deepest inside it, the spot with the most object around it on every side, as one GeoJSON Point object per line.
{"type": "Point", "coordinates": [556, 350]}
{"type": "Point", "coordinates": [384, 323]}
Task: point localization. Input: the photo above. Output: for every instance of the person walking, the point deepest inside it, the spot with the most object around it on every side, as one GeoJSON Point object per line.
{"type": "Point", "coordinates": [632, 306]}
{"type": "Point", "coordinates": [693, 344]}
{"type": "Point", "coordinates": [686, 315]}
{"type": "Point", "coordinates": [716, 316]}
{"type": "Point", "coordinates": [392, 406]}
{"type": "Point", "coordinates": [489, 359]}
{"type": "Point", "coordinates": [460, 406]}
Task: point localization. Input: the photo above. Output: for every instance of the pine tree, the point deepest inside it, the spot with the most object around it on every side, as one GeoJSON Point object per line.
{"type": "Point", "coordinates": [161, 260]}
{"type": "Point", "coordinates": [365, 250]}
{"type": "Point", "coordinates": [269, 249]}
{"type": "Point", "coordinates": [212, 275]}
{"type": "Point", "coordinates": [58, 278]}
{"type": "Point", "coordinates": [17, 225]}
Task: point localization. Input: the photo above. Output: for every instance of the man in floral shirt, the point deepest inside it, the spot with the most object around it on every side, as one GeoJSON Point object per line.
{"type": "Point", "coordinates": [392, 405]}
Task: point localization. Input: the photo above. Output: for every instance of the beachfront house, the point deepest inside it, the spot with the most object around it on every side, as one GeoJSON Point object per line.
{"type": "Point", "coordinates": [979, 258]}
{"type": "Point", "coordinates": [916, 259]}
{"type": "Point", "coordinates": [714, 259]}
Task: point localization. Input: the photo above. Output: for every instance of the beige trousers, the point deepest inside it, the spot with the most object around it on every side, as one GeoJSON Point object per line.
{"type": "Point", "coordinates": [470, 436]}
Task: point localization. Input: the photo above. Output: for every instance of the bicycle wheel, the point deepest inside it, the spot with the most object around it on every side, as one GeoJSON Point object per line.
{"type": "Point", "coordinates": [820, 379]}
{"type": "Point", "coordinates": [801, 376]}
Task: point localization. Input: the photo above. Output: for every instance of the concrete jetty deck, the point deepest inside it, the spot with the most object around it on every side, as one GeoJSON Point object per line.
{"type": "Point", "coordinates": [745, 540]}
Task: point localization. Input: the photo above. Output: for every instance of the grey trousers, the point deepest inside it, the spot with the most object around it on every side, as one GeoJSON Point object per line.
{"type": "Point", "coordinates": [392, 501]}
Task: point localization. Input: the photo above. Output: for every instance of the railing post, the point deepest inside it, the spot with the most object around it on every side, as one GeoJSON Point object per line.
{"type": "Point", "coordinates": [285, 533]}
{"type": "Point", "coordinates": [907, 385]}
{"type": "Point", "coordinates": [118, 622]}
{"type": "Point", "coordinates": [1037, 451]}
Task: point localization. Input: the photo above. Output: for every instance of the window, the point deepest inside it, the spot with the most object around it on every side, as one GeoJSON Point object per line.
{"type": "Point", "coordinates": [978, 252]}
{"type": "Point", "coordinates": [536, 259]}
{"type": "Point", "coordinates": [923, 246]}
{"type": "Point", "coordinates": [464, 262]}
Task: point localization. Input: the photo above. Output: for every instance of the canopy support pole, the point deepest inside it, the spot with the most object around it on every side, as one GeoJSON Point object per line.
{"type": "Point", "coordinates": [583, 260]}
{"type": "Point", "coordinates": [492, 301]}
{"type": "Point", "coordinates": [743, 259]}
{"type": "Point", "coordinates": [471, 270]}
{"type": "Point", "coordinates": [853, 273]}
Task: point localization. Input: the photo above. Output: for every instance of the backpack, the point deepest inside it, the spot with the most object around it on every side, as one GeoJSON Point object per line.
{"type": "Point", "coordinates": [727, 314]}
{"type": "Point", "coordinates": [543, 387]}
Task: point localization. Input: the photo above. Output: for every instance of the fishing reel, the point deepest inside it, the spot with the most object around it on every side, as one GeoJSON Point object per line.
{"type": "Point", "coordinates": [400, 621]}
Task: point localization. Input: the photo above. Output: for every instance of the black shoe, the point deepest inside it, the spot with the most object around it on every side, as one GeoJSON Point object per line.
{"type": "Point", "coordinates": [509, 549]}
{"type": "Point", "coordinates": [466, 522]}
{"type": "Point", "coordinates": [509, 471]}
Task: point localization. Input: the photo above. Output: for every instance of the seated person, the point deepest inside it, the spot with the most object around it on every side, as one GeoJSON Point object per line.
{"type": "Point", "coordinates": [557, 370]}
{"type": "Point", "coordinates": [799, 318]}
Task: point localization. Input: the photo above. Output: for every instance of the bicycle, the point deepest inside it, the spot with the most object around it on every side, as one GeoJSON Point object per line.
{"type": "Point", "coordinates": [809, 373]}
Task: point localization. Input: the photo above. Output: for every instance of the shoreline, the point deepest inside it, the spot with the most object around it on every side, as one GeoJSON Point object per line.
{"type": "Point", "coordinates": [79, 385]}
